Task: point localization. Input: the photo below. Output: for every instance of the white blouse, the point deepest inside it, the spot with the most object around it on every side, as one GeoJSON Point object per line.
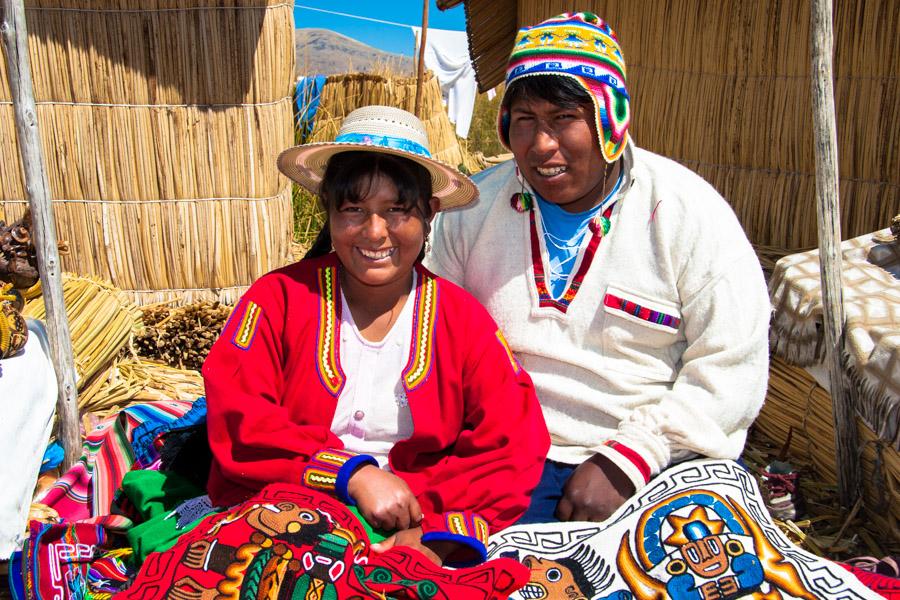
{"type": "Point", "coordinates": [372, 411]}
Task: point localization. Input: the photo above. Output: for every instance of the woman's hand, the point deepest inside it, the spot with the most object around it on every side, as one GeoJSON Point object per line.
{"type": "Point", "coordinates": [436, 552]}
{"type": "Point", "coordinates": [383, 499]}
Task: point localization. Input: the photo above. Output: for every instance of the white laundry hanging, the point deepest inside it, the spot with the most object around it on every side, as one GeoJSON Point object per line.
{"type": "Point", "coordinates": [447, 55]}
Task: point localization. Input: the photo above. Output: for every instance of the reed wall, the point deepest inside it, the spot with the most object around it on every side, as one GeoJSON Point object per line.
{"type": "Point", "coordinates": [724, 88]}
{"type": "Point", "coordinates": [797, 407]}
{"type": "Point", "coordinates": [160, 123]}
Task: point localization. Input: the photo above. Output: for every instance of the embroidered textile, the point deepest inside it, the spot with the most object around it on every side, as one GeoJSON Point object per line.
{"type": "Point", "coordinates": [698, 531]}
{"type": "Point", "coordinates": [291, 542]}
{"type": "Point", "coordinates": [56, 560]}
{"type": "Point", "coordinates": [86, 490]}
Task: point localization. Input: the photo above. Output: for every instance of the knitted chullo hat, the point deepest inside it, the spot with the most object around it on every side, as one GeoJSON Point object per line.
{"type": "Point", "coordinates": [581, 46]}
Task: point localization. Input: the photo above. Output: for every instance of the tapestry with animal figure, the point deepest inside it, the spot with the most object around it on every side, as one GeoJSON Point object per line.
{"type": "Point", "coordinates": [292, 543]}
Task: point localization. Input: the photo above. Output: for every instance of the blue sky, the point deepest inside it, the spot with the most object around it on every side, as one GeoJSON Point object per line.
{"type": "Point", "coordinates": [385, 37]}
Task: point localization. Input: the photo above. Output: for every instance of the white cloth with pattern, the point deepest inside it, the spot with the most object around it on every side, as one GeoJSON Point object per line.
{"type": "Point", "coordinates": [871, 300]}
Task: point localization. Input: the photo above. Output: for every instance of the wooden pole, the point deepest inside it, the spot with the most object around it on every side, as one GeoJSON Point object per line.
{"type": "Point", "coordinates": [829, 220]}
{"type": "Point", "coordinates": [37, 189]}
{"type": "Point", "coordinates": [420, 71]}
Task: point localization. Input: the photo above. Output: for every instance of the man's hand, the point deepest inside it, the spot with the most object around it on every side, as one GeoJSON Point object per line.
{"type": "Point", "coordinates": [594, 491]}
{"type": "Point", "coordinates": [437, 552]}
{"type": "Point", "coordinates": [384, 499]}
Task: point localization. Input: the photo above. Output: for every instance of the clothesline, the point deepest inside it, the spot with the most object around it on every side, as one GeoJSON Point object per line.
{"type": "Point", "coordinates": [341, 14]}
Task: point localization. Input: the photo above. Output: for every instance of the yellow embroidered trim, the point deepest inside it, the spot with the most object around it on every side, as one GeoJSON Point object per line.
{"type": "Point", "coordinates": [481, 529]}
{"type": "Point", "coordinates": [319, 479]}
{"type": "Point", "coordinates": [456, 523]}
{"type": "Point", "coordinates": [333, 458]}
{"type": "Point", "coordinates": [245, 332]}
{"type": "Point", "coordinates": [422, 354]}
{"type": "Point", "coordinates": [512, 358]}
{"type": "Point", "coordinates": [327, 363]}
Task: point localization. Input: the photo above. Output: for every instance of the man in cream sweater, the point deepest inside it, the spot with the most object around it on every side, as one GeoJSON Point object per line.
{"type": "Point", "coordinates": [622, 281]}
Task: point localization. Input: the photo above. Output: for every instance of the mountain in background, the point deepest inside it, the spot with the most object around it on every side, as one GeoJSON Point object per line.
{"type": "Point", "coordinates": [325, 52]}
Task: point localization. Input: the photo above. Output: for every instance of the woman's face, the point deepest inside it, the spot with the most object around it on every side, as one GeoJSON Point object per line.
{"type": "Point", "coordinates": [377, 239]}
{"type": "Point", "coordinates": [557, 151]}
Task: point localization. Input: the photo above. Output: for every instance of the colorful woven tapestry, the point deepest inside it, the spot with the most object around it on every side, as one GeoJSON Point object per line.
{"type": "Point", "coordinates": [86, 490]}
{"type": "Point", "coordinates": [699, 531]}
{"type": "Point", "coordinates": [56, 560]}
{"type": "Point", "coordinates": [291, 543]}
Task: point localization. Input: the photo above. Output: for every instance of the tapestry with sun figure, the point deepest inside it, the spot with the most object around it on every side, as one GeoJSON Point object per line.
{"type": "Point", "coordinates": [699, 531]}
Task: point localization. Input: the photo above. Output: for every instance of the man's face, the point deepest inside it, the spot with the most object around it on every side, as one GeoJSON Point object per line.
{"type": "Point", "coordinates": [557, 151]}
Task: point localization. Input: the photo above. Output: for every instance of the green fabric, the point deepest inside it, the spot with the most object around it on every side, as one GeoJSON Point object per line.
{"type": "Point", "coordinates": [155, 494]}
{"type": "Point", "coordinates": [375, 535]}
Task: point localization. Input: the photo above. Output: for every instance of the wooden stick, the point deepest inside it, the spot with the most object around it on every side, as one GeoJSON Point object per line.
{"type": "Point", "coordinates": [15, 39]}
{"type": "Point", "coordinates": [829, 221]}
{"type": "Point", "coordinates": [420, 71]}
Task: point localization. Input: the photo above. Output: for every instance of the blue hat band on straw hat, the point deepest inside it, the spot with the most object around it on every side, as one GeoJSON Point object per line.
{"type": "Point", "coordinates": [384, 141]}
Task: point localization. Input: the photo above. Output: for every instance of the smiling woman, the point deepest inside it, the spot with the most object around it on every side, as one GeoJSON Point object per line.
{"type": "Point", "coordinates": [379, 211]}
{"type": "Point", "coordinates": [329, 374]}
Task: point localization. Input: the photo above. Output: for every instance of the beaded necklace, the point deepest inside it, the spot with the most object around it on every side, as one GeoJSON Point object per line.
{"type": "Point", "coordinates": [598, 226]}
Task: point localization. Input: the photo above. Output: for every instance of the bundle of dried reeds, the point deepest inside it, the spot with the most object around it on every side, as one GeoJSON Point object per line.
{"type": "Point", "coordinates": [101, 320]}
{"type": "Point", "coordinates": [797, 406]}
{"type": "Point", "coordinates": [160, 123]}
{"type": "Point", "coordinates": [724, 88]}
{"type": "Point", "coordinates": [131, 380]}
{"type": "Point", "coordinates": [342, 94]}
{"type": "Point", "coordinates": [181, 337]}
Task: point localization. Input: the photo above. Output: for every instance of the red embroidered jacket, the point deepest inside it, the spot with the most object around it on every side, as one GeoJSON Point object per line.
{"type": "Point", "coordinates": [274, 377]}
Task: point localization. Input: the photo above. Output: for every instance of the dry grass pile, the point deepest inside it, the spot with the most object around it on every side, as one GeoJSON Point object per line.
{"type": "Point", "coordinates": [180, 336]}
{"type": "Point", "coordinates": [160, 122]}
{"type": "Point", "coordinates": [134, 380]}
{"type": "Point", "coordinates": [799, 410]}
{"type": "Point", "coordinates": [101, 320]}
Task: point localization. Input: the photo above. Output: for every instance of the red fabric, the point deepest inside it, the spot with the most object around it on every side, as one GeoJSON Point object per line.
{"type": "Point", "coordinates": [635, 458]}
{"type": "Point", "coordinates": [290, 541]}
{"type": "Point", "coordinates": [56, 559]}
{"type": "Point", "coordinates": [887, 587]}
{"type": "Point", "coordinates": [479, 438]}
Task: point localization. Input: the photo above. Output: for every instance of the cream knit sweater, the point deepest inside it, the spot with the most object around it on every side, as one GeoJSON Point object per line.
{"type": "Point", "coordinates": [661, 393]}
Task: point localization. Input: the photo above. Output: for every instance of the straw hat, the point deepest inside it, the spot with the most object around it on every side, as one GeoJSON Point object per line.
{"type": "Point", "coordinates": [386, 130]}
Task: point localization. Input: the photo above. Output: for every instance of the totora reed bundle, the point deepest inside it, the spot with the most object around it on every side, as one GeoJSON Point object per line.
{"type": "Point", "coordinates": [160, 123]}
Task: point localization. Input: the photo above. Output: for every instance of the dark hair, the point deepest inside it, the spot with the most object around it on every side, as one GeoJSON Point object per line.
{"type": "Point", "coordinates": [577, 571]}
{"type": "Point", "coordinates": [556, 89]}
{"type": "Point", "coordinates": [349, 177]}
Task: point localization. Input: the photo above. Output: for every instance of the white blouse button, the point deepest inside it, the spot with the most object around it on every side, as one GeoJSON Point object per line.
{"type": "Point", "coordinates": [358, 415]}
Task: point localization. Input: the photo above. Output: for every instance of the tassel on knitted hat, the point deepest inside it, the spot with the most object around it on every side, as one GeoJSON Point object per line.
{"type": "Point", "coordinates": [581, 46]}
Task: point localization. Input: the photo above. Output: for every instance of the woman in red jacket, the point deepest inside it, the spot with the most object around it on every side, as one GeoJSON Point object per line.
{"type": "Point", "coordinates": [358, 372]}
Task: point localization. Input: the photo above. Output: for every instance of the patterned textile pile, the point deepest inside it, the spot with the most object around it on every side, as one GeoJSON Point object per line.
{"type": "Point", "coordinates": [871, 297]}
{"type": "Point", "coordinates": [134, 523]}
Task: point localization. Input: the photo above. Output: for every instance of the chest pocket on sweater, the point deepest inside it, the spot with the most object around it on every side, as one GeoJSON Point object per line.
{"type": "Point", "coordinates": [642, 335]}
